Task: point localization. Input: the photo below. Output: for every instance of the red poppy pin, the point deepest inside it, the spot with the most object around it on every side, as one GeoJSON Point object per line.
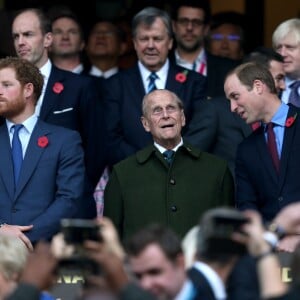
{"type": "Point", "coordinates": [290, 121]}
{"type": "Point", "coordinates": [58, 87]}
{"type": "Point", "coordinates": [181, 77]}
{"type": "Point", "coordinates": [43, 141]}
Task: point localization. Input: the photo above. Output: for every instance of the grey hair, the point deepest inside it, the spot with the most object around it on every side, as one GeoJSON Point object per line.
{"type": "Point", "coordinates": [148, 16]}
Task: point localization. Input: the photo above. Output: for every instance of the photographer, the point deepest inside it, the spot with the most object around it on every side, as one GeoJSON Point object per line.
{"type": "Point", "coordinates": [216, 252]}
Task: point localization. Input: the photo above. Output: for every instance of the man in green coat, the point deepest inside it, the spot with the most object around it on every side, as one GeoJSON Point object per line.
{"type": "Point", "coordinates": [149, 187]}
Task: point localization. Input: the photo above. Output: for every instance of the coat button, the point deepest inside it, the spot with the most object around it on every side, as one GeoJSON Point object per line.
{"type": "Point", "coordinates": [280, 198]}
{"type": "Point", "coordinates": [173, 208]}
{"type": "Point", "coordinates": [172, 181]}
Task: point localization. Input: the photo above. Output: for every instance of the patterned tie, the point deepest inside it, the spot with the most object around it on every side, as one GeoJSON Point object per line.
{"type": "Point", "coordinates": [271, 142]}
{"type": "Point", "coordinates": [17, 154]}
{"type": "Point", "coordinates": [151, 85]}
{"type": "Point", "coordinates": [169, 155]}
{"type": "Point", "coordinates": [294, 97]}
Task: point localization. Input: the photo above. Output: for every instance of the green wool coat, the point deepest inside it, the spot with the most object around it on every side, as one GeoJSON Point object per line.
{"type": "Point", "coordinates": [143, 189]}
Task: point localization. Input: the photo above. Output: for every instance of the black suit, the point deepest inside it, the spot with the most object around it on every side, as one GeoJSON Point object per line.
{"type": "Point", "coordinates": [215, 129]}
{"type": "Point", "coordinates": [202, 285]}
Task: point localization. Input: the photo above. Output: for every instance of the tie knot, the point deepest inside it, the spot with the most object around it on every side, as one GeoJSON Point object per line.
{"type": "Point", "coordinates": [153, 76]}
{"type": "Point", "coordinates": [17, 127]}
{"type": "Point", "coordinates": [270, 126]}
{"type": "Point", "coordinates": [168, 155]}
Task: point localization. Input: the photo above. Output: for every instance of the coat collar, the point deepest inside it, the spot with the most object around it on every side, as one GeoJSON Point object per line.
{"type": "Point", "coordinates": [144, 155]}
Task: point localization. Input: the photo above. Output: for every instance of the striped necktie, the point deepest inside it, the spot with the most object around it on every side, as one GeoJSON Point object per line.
{"type": "Point", "coordinates": [169, 155]}
{"type": "Point", "coordinates": [151, 85]}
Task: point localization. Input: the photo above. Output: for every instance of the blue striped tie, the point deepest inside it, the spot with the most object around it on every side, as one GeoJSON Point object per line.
{"type": "Point", "coordinates": [17, 154]}
{"type": "Point", "coordinates": [151, 85]}
{"type": "Point", "coordinates": [169, 155]}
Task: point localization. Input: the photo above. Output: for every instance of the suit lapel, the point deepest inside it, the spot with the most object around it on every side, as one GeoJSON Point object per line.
{"type": "Point", "coordinates": [264, 153]}
{"type": "Point", "coordinates": [135, 80]}
{"type": "Point", "coordinates": [172, 84]}
{"type": "Point", "coordinates": [6, 165]}
{"type": "Point", "coordinates": [32, 157]}
{"type": "Point", "coordinates": [288, 141]}
{"type": "Point", "coordinates": [50, 97]}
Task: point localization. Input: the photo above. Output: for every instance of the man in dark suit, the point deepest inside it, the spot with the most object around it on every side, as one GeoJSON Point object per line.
{"type": "Point", "coordinates": [216, 253]}
{"type": "Point", "coordinates": [191, 20]}
{"type": "Point", "coordinates": [43, 181]}
{"type": "Point", "coordinates": [217, 130]}
{"type": "Point", "coordinates": [266, 170]}
{"type": "Point", "coordinates": [144, 188]}
{"type": "Point", "coordinates": [67, 99]}
{"type": "Point", "coordinates": [152, 36]}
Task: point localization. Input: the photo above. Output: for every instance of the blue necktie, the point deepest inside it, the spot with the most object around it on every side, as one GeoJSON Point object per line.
{"type": "Point", "coordinates": [151, 85]}
{"type": "Point", "coordinates": [168, 155]}
{"type": "Point", "coordinates": [294, 97]}
{"type": "Point", "coordinates": [17, 154]}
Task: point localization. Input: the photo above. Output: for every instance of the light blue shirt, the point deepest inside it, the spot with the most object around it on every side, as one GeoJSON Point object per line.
{"type": "Point", "coordinates": [279, 120]}
{"type": "Point", "coordinates": [24, 133]}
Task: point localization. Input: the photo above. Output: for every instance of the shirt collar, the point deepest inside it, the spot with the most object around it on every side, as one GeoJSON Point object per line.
{"type": "Point", "coordinates": [213, 278]}
{"type": "Point", "coordinates": [28, 123]}
{"type": "Point", "coordinates": [46, 69]}
{"type": "Point", "coordinates": [187, 291]}
{"type": "Point", "coordinates": [106, 74]}
{"type": "Point", "coordinates": [201, 57]}
{"type": "Point", "coordinates": [281, 114]}
{"type": "Point", "coordinates": [161, 149]}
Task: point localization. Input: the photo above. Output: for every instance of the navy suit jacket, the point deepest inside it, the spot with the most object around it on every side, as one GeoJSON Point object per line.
{"type": "Point", "coordinates": [215, 129]}
{"type": "Point", "coordinates": [77, 107]}
{"type": "Point", "coordinates": [123, 102]}
{"type": "Point", "coordinates": [51, 180]}
{"type": "Point", "coordinates": [201, 284]}
{"type": "Point", "coordinates": [259, 187]}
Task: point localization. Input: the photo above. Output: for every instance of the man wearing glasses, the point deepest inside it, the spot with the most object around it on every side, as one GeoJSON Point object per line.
{"type": "Point", "coordinates": [191, 25]}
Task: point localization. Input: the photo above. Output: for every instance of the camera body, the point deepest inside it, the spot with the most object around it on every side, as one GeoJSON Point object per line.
{"type": "Point", "coordinates": [75, 233]}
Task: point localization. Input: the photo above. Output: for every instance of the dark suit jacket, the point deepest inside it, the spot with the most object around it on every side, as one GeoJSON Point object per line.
{"type": "Point", "coordinates": [51, 180]}
{"type": "Point", "coordinates": [78, 107]}
{"type": "Point", "coordinates": [217, 69]}
{"type": "Point", "coordinates": [215, 129]}
{"type": "Point", "coordinates": [202, 285]}
{"type": "Point", "coordinates": [123, 101]}
{"type": "Point", "coordinates": [142, 189]}
{"type": "Point", "coordinates": [258, 185]}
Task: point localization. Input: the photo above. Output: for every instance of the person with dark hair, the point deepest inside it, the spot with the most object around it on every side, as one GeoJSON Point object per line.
{"type": "Point", "coordinates": [69, 100]}
{"type": "Point", "coordinates": [267, 161]}
{"type": "Point", "coordinates": [226, 36]}
{"type": "Point", "coordinates": [157, 261]}
{"type": "Point", "coordinates": [216, 252]}
{"type": "Point", "coordinates": [68, 39]}
{"type": "Point", "coordinates": [273, 61]}
{"type": "Point", "coordinates": [191, 19]}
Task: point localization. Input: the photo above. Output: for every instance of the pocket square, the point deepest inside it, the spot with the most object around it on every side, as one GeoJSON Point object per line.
{"type": "Point", "coordinates": [63, 111]}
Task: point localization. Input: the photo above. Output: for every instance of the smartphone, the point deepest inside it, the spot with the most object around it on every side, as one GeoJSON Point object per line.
{"type": "Point", "coordinates": [76, 231]}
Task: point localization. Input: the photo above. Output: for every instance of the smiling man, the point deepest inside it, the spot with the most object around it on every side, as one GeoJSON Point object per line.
{"type": "Point", "coordinates": [153, 186]}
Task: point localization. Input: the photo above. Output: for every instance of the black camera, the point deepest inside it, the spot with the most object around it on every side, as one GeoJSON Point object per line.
{"type": "Point", "coordinates": [75, 232]}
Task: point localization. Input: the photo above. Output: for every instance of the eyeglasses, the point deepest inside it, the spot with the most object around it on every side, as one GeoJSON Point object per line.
{"type": "Point", "coordinates": [229, 37]}
{"type": "Point", "coordinates": [185, 22]}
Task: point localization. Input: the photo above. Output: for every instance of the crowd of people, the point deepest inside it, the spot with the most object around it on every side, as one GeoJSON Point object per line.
{"type": "Point", "coordinates": [187, 132]}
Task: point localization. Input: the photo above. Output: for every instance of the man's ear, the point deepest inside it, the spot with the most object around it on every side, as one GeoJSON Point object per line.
{"type": "Point", "coordinates": [145, 123]}
{"type": "Point", "coordinates": [28, 90]}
